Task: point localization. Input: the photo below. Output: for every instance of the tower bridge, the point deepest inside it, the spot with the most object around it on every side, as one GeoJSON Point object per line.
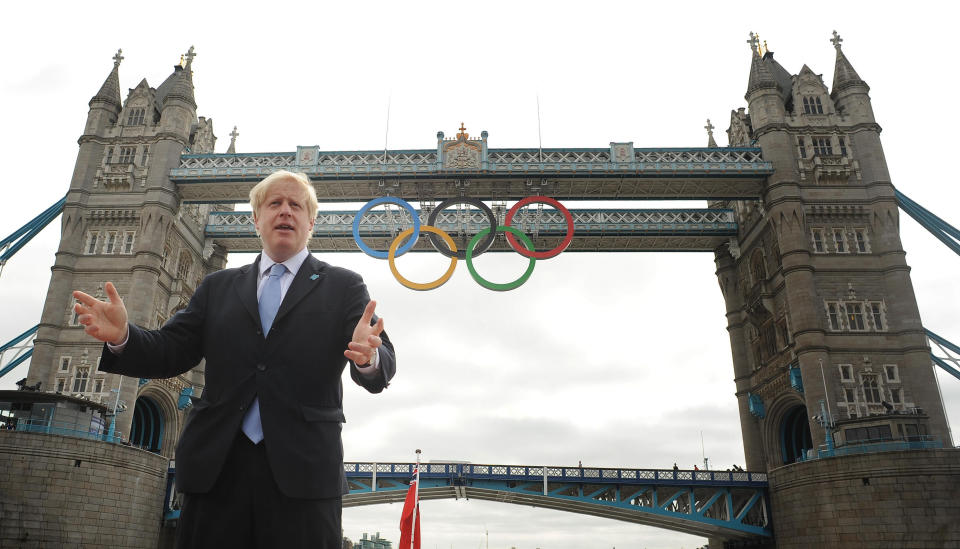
{"type": "Point", "coordinates": [834, 378]}
{"type": "Point", "coordinates": [465, 166]}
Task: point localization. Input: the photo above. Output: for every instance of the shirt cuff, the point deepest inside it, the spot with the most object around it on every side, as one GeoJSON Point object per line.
{"type": "Point", "coordinates": [118, 348]}
{"type": "Point", "coordinates": [369, 370]}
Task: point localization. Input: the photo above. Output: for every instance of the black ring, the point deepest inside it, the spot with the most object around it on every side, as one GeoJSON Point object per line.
{"type": "Point", "coordinates": [461, 253]}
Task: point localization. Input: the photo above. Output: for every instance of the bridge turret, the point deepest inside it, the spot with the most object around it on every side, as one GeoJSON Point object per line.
{"type": "Point", "coordinates": [768, 88]}
{"type": "Point", "coordinates": [105, 105]}
{"type": "Point", "coordinates": [816, 282]}
{"type": "Point", "coordinates": [123, 222]}
{"type": "Point", "coordinates": [175, 101]}
{"type": "Point", "coordinates": [850, 92]}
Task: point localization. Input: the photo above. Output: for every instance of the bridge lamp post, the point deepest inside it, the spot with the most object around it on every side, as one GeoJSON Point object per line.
{"type": "Point", "coordinates": [116, 403]}
{"type": "Point", "coordinates": [826, 416]}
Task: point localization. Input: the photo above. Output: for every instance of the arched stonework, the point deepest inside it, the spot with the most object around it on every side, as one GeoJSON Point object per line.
{"type": "Point", "coordinates": [770, 425]}
{"type": "Point", "coordinates": [157, 391]}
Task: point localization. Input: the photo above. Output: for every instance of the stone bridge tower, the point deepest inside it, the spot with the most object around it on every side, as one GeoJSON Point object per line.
{"type": "Point", "coordinates": [123, 221]}
{"type": "Point", "coordinates": [823, 322]}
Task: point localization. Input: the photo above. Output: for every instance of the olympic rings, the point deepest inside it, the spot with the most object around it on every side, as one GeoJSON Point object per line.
{"type": "Point", "coordinates": [386, 200]}
{"type": "Point", "coordinates": [484, 246]}
{"type": "Point", "coordinates": [392, 253]}
{"type": "Point", "coordinates": [531, 253]}
{"type": "Point", "coordinates": [478, 244]}
{"type": "Point", "coordinates": [493, 285]}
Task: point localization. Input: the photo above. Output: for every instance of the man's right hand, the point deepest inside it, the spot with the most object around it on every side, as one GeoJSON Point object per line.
{"type": "Point", "coordinates": [104, 320]}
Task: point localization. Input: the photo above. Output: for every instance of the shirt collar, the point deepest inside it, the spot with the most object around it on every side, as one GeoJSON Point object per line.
{"type": "Point", "coordinates": [293, 264]}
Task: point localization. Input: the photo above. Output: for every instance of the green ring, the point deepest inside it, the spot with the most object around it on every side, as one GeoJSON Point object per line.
{"type": "Point", "coordinates": [493, 285]}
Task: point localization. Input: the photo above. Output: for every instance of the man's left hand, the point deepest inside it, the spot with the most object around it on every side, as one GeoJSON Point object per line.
{"type": "Point", "coordinates": [366, 338]}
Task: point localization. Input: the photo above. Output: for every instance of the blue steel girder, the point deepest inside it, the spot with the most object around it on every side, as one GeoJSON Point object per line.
{"type": "Point", "coordinates": [946, 347]}
{"type": "Point", "coordinates": [594, 229]}
{"type": "Point", "coordinates": [18, 239]}
{"type": "Point", "coordinates": [358, 176]}
{"type": "Point", "coordinates": [22, 345]}
{"type": "Point", "coordinates": [719, 504]}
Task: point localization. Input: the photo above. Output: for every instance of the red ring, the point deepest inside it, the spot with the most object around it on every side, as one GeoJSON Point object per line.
{"type": "Point", "coordinates": [530, 253]}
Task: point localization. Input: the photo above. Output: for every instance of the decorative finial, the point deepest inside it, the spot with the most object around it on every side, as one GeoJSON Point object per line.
{"type": "Point", "coordinates": [711, 142]}
{"type": "Point", "coordinates": [190, 55]}
{"type": "Point", "coordinates": [117, 58]}
{"type": "Point", "coordinates": [765, 48]}
{"type": "Point", "coordinates": [233, 141]}
{"type": "Point", "coordinates": [754, 42]}
{"type": "Point", "coordinates": [836, 40]}
{"type": "Point", "coordinates": [463, 133]}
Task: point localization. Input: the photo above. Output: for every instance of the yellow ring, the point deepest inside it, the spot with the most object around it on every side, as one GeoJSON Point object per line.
{"type": "Point", "coordinates": [392, 252]}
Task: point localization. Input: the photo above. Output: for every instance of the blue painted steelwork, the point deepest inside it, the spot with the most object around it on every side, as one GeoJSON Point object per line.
{"type": "Point", "coordinates": [722, 504]}
{"type": "Point", "coordinates": [715, 225]}
{"type": "Point", "coordinates": [756, 405]}
{"type": "Point", "coordinates": [939, 228]}
{"type": "Point", "coordinates": [918, 442]}
{"type": "Point", "coordinates": [24, 353]}
{"type": "Point", "coordinates": [184, 399]}
{"type": "Point", "coordinates": [421, 163]}
{"type": "Point", "coordinates": [12, 244]}
{"type": "Point", "coordinates": [942, 361]}
{"type": "Point", "coordinates": [796, 380]}
{"type": "Point", "coordinates": [63, 428]}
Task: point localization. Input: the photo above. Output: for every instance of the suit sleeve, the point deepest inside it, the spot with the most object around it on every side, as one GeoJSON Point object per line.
{"type": "Point", "coordinates": [356, 300]}
{"type": "Point", "coordinates": [170, 351]}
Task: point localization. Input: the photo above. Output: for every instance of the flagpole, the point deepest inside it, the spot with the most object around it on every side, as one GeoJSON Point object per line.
{"type": "Point", "coordinates": [416, 505]}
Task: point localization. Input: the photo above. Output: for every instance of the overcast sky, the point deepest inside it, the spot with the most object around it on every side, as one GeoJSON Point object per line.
{"type": "Point", "coordinates": [612, 359]}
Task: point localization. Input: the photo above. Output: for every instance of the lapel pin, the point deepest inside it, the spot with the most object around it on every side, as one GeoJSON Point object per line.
{"type": "Point", "coordinates": [314, 276]}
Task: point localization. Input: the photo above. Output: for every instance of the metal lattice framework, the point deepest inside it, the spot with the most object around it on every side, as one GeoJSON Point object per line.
{"type": "Point", "coordinates": [21, 348]}
{"type": "Point", "coordinates": [501, 173]}
{"type": "Point", "coordinates": [595, 229]}
{"type": "Point", "coordinates": [719, 504]}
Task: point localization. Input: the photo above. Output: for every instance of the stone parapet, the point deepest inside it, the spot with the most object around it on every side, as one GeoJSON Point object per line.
{"type": "Point", "coordinates": [58, 491]}
{"type": "Point", "coordinates": [888, 499]}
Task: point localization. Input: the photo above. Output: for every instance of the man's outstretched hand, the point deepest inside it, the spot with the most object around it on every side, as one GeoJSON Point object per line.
{"type": "Point", "coordinates": [105, 320]}
{"type": "Point", "coordinates": [366, 338]}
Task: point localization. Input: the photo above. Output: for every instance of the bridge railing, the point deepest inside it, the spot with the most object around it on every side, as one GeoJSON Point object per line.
{"type": "Point", "coordinates": [557, 473]}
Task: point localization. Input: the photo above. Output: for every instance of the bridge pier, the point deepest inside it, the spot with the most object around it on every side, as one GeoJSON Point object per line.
{"type": "Point", "coordinates": [884, 499]}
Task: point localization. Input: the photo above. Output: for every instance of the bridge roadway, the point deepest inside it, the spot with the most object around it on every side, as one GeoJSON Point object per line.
{"type": "Point", "coordinates": [594, 230]}
{"type": "Point", "coordinates": [496, 174]}
{"type": "Point", "coordinates": [719, 504]}
{"type": "Point", "coordinates": [728, 505]}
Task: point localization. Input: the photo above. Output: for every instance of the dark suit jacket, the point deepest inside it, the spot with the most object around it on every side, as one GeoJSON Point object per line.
{"type": "Point", "coordinates": [296, 371]}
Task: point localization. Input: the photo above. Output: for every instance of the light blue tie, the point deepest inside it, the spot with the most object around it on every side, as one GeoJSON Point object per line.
{"type": "Point", "coordinates": [269, 305]}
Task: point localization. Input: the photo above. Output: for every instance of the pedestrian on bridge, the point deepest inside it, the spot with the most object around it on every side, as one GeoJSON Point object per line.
{"type": "Point", "coordinates": [260, 458]}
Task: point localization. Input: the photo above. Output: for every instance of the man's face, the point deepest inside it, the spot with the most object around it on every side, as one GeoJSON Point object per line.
{"type": "Point", "coordinates": [283, 221]}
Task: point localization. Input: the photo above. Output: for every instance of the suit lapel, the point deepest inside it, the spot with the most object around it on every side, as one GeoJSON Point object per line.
{"type": "Point", "coordinates": [246, 288]}
{"type": "Point", "coordinates": [309, 276]}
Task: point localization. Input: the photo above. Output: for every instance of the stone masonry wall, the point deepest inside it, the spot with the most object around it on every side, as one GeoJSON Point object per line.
{"type": "Point", "coordinates": [58, 491]}
{"type": "Point", "coordinates": [904, 499]}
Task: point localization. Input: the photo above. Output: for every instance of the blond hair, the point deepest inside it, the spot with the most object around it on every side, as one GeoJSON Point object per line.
{"type": "Point", "coordinates": [259, 192]}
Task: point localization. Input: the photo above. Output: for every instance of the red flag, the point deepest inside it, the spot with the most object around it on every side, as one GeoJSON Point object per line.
{"type": "Point", "coordinates": [410, 518]}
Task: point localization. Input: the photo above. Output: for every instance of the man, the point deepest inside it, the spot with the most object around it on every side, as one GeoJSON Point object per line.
{"type": "Point", "coordinates": [260, 460]}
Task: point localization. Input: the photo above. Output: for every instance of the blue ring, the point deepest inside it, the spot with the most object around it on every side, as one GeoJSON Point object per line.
{"type": "Point", "coordinates": [386, 200]}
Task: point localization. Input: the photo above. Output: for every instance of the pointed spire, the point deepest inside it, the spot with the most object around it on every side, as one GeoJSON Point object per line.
{"type": "Point", "coordinates": [711, 142]}
{"type": "Point", "coordinates": [180, 83]}
{"type": "Point", "coordinates": [844, 74]}
{"type": "Point", "coordinates": [110, 90]}
{"type": "Point", "coordinates": [232, 149]}
{"type": "Point", "coordinates": [760, 75]}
